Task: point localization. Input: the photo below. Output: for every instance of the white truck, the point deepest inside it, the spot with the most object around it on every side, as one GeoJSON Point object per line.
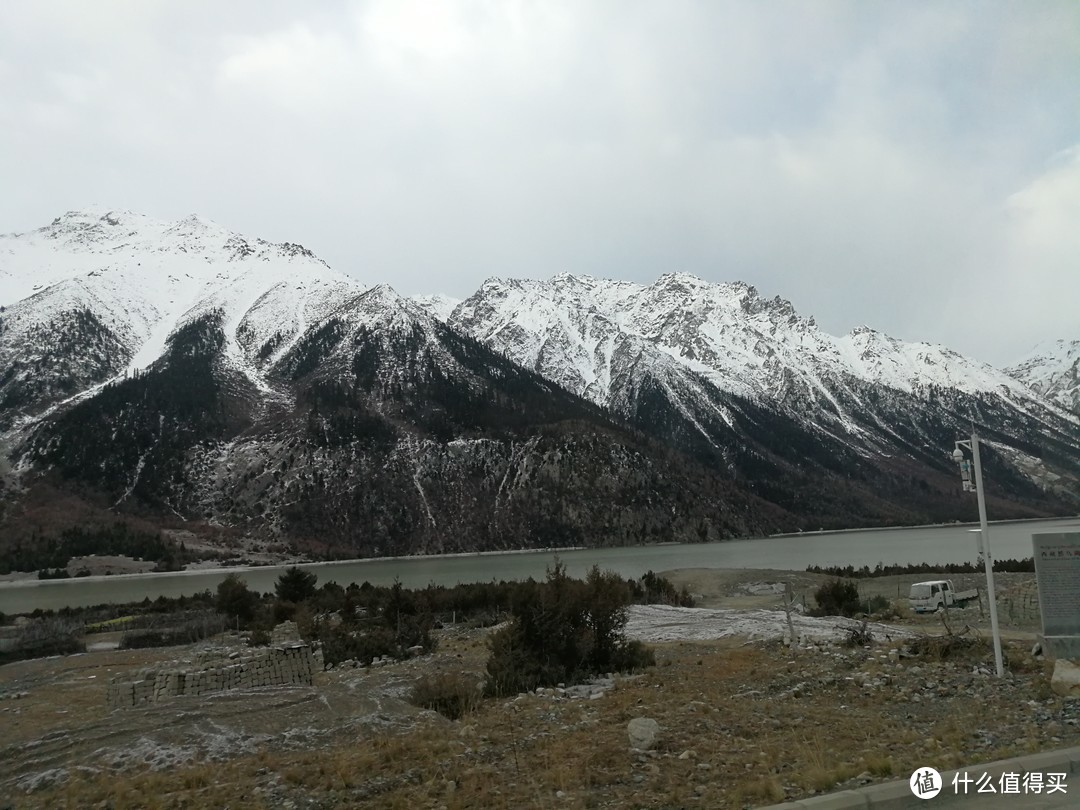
{"type": "Point", "coordinates": [926, 597]}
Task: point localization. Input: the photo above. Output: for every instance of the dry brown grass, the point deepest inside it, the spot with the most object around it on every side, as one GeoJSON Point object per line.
{"type": "Point", "coordinates": [822, 771]}
{"type": "Point", "coordinates": [879, 765]}
{"type": "Point", "coordinates": [762, 790]}
{"type": "Point", "coordinates": [727, 708]}
{"type": "Point", "coordinates": [451, 694]}
{"type": "Point", "coordinates": [77, 680]}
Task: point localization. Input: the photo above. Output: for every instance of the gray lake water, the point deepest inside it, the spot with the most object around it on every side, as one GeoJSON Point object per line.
{"type": "Point", "coordinates": [937, 544]}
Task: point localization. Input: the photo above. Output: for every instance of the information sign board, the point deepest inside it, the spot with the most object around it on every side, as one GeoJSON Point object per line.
{"type": "Point", "coordinates": [1057, 569]}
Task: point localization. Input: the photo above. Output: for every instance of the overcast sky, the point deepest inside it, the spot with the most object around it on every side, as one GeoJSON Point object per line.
{"type": "Point", "coordinates": [912, 166]}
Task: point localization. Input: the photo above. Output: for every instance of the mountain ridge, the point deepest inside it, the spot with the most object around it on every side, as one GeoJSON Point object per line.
{"type": "Point", "coordinates": [142, 279]}
{"type": "Point", "coordinates": [1053, 370]}
{"type": "Point", "coordinates": [182, 372]}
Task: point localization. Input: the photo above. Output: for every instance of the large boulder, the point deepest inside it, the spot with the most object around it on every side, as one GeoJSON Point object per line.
{"type": "Point", "coordinates": [643, 732]}
{"type": "Point", "coordinates": [1066, 678]}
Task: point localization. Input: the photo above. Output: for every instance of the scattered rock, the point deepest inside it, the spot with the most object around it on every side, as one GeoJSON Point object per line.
{"type": "Point", "coordinates": [643, 732]}
{"type": "Point", "coordinates": [1066, 678]}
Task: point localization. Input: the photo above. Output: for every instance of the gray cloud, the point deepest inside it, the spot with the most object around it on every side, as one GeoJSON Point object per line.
{"type": "Point", "coordinates": [912, 166]}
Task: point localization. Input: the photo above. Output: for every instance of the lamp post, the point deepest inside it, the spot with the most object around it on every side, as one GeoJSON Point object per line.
{"type": "Point", "coordinates": [988, 558]}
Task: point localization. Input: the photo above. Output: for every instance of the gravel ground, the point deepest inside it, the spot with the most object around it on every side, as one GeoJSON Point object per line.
{"type": "Point", "coordinates": [743, 721]}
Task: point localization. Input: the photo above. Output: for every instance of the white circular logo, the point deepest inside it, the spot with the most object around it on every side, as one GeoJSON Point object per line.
{"type": "Point", "coordinates": [925, 783]}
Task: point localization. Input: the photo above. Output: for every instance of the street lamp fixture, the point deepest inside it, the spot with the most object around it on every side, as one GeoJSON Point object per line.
{"type": "Point", "coordinates": [966, 468]}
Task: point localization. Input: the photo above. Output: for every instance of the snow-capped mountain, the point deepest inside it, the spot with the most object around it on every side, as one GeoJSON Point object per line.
{"type": "Point", "coordinates": [865, 391]}
{"type": "Point", "coordinates": [198, 378]}
{"type": "Point", "coordinates": [95, 295]}
{"type": "Point", "coordinates": [741, 342]}
{"type": "Point", "coordinates": [387, 433]}
{"type": "Point", "coordinates": [202, 379]}
{"type": "Point", "coordinates": [1053, 370]}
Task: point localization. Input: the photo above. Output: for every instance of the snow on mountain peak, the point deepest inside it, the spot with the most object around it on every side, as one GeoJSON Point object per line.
{"type": "Point", "coordinates": [683, 282]}
{"type": "Point", "coordinates": [94, 214]}
{"type": "Point", "coordinates": [380, 300]}
{"type": "Point", "coordinates": [568, 327]}
{"type": "Point", "coordinates": [438, 306]}
{"type": "Point", "coordinates": [382, 308]}
{"type": "Point", "coordinates": [141, 278]}
{"type": "Point", "coordinates": [1052, 368]}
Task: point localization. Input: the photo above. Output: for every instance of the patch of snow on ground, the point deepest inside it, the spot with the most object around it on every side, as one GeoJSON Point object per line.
{"type": "Point", "coordinates": [156, 756]}
{"type": "Point", "coordinates": [45, 779]}
{"type": "Point", "coordinates": [657, 623]}
{"type": "Point", "coordinates": [759, 588]}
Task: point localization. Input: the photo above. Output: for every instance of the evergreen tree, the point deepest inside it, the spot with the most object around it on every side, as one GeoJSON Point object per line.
{"type": "Point", "coordinates": [295, 585]}
{"type": "Point", "coordinates": [235, 600]}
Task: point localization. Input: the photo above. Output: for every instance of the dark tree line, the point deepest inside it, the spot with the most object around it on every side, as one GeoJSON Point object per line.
{"type": "Point", "coordinates": [1025, 565]}
{"type": "Point", "coordinates": [38, 552]}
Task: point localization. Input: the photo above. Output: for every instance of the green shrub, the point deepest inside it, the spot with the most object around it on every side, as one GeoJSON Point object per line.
{"type": "Point", "coordinates": [328, 599]}
{"type": "Point", "coordinates": [373, 638]}
{"type": "Point", "coordinates": [171, 630]}
{"type": "Point", "coordinates": [414, 631]}
{"type": "Point", "coordinates": [260, 637]}
{"type": "Point", "coordinates": [295, 585]}
{"type": "Point", "coordinates": [877, 604]}
{"type": "Point", "coordinates": [283, 611]}
{"type": "Point", "coordinates": [341, 643]}
{"type": "Point", "coordinates": [653, 589]}
{"type": "Point", "coordinates": [837, 597]}
{"type": "Point", "coordinates": [44, 637]}
{"type": "Point", "coordinates": [235, 600]}
{"type": "Point", "coordinates": [563, 631]}
{"type": "Point", "coordinates": [452, 695]}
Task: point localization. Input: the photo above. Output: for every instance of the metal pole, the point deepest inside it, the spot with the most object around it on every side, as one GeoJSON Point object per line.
{"type": "Point", "coordinates": [789, 599]}
{"type": "Point", "coordinates": [988, 558]}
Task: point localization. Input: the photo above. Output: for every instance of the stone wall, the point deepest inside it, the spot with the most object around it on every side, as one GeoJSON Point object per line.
{"type": "Point", "coordinates": [216, 671]}
{"type": "Point", "coordinates": [1020, 603]}
{"type": "Point", "coordinates": [284, 633]}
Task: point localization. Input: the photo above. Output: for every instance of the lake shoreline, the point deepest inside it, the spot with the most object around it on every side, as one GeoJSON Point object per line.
{"type": "Point", "coordinates": [24, 578]}
{"type": "Point", "coordinates": [956, 524]}
{"type": "Point", "coordinates": [953, 543]}
{"type": "Point", "coordinates": [29, 578]}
